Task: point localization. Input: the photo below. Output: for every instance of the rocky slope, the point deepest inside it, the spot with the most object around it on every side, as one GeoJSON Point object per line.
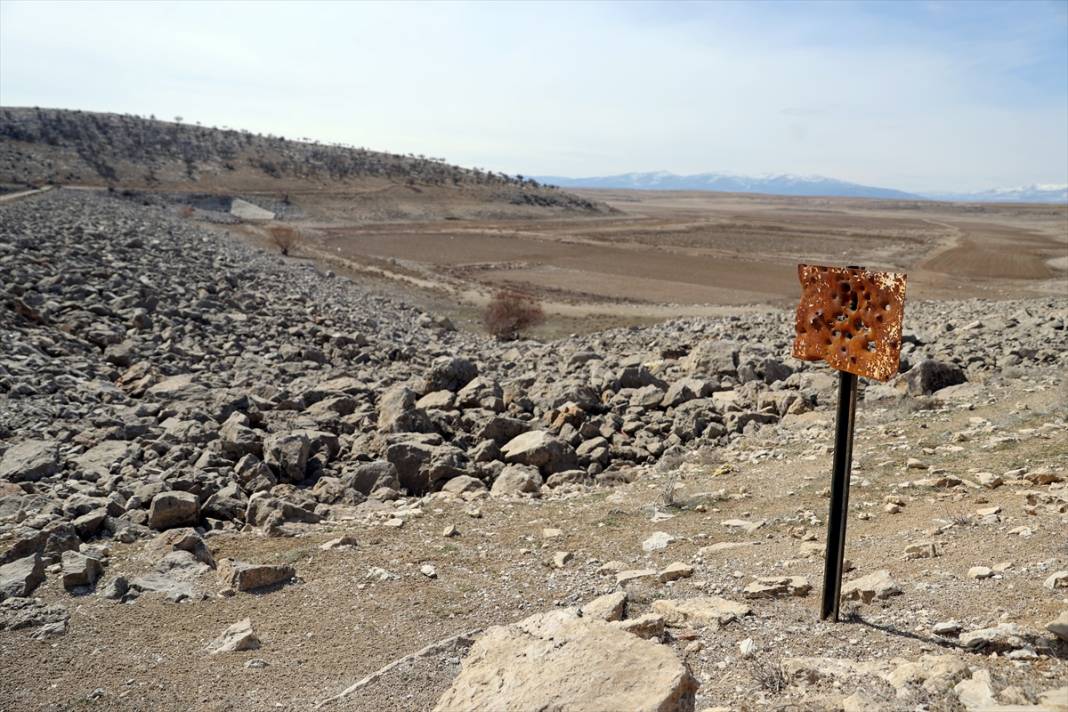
{"type": "Point", "coordinates": [59, 146]}
{"type": "Point", "coordinates": [163, 387]}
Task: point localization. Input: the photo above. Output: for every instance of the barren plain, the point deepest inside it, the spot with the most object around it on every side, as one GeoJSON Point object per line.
{"type": "Point", "coordinates": [667, 254]}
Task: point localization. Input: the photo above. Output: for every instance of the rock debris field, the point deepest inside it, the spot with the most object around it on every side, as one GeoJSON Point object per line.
{"type": "Point", "coordinates": [233, 481]}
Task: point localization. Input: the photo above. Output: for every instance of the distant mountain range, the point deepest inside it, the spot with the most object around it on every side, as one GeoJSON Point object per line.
{"type": "Point", "coordinates": [788, 184]}
{"type": "Point", "coordinates": [1048, 193]}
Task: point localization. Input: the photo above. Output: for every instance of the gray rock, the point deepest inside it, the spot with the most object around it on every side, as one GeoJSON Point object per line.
{"type": "Point", "coordinates": [30, 460]}
{"type": "Point", "coordinates": [99, 459]}
{"type": "Point", "coordinates": [242, 576]}
{"type": "Point", "coordinates": [450, 373]}
{"type": "Point", "coordinates": [239, 636]}
{"type": "Point", "coordinates": [173, 509]}
{"type": "Point", "coordinates": [930, 376]}
{"type": "Point", "coordinates": [21, 577]}
{"type": "Point", "coordinates": [516, 480]}
{"type": "Point", "coordinates": [80, 570]}
{"type": "Point", "coordinates": [367, 477]}
{"type": "Point", "coordinates": [397, 412]}
{"type": "Point", "coordinates": [238, 439]}
{"type": "Point", "coordinates": [287, 455]}
{"type": "Point", "coordinates": [558, 661]}
{"type": "Point", "coordinates": [540, 449]}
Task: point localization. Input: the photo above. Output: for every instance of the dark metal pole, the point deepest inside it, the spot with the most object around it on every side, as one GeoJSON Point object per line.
{"type": "Point", "coordinates": [836, 521]}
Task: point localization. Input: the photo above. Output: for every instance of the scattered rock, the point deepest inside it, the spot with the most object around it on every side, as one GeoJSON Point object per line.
{"type": "Point", "coordinates": [1056, 580]}
{"type": "Point", "coordinates": [21, 577]}
{"type": "Point", "coordinates": [80, 570]}
{"type": "Point", "coordinates": [702, 611]}
{"type": "Point", "coordinates": [30, 461]}
{"type": "Point", "coordinates": [774, 586]}
{"type": "Point", "coordinates": [675, 571]}
{"type": "Point", "coordinates": [239, 636]}
{"type": "Point", "coordinates": [606, 608]}
{"type": "Point", "coordinates": [242, 576]}
{"type": "Point", "coordinates": [173, 509]}
{"type": "Point", "coordinates": [1001, 638]}
{"type": "Point", "coordinates": [976, 693]}
{"type": "Point", "coordinates": [1059, 626]}
{"type": "Point", "coordinates": [657, 541]}
{"type": "Point", "coordinates": [868, 588]}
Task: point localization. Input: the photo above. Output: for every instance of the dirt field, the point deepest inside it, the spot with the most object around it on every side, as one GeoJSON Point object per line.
{"type": "Point", "coordinates": [668, 254]}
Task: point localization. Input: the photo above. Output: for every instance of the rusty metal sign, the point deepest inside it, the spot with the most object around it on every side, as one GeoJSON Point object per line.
{"type": "Point", "coordinates": [851, 318]}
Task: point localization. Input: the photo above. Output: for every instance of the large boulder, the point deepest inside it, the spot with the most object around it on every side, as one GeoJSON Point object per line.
{"type": "Point", "coordinates": [99, 459]}
{"type": "Point", "coordinates": [238, 438]}
{"type": "Point", "coordinates": [540, 449]}
{"type": "Point", "coordinates": [397, 412]}
{"type": "Point", "coordinates": [265, 510]}
{"type": "Point", "coordinates": [30, 460]}
{"type": "Point", "coordinates": [242, 576]}
{"type": "Point", "coordinates": [712, 357]}
{"type": "Point", "coordinates": [369, 476]}
{"type": "Point", "coordinates": [516, 480]}
{"type": "Point", "coordinates": [930, 376]}
{"type": "Point", "coordinates": [501, 429]}
{"type": "Point", "coordinates": [80, 570]}
{"type": "Point", "coordinates": [450, 373]}
{"type": "Point", "coordinates": [420, 465]}
{"type": "Point", "coordinates": [686, 389]}
{"type": "Point", "coordinates": [173, 509]}
{"type": "Point", "coordinates": [287, 455]}
{"type": "Point", "coordinates": [560, 661]}
{"type": "Point", "coordinates": [21, 577]}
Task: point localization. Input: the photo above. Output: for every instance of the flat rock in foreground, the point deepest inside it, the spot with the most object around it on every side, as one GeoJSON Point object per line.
{"type": "Point", "coordinates": [558, 661]}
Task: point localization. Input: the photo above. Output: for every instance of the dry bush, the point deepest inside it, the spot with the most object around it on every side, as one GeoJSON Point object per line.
{"type": "Point", "coordinates": [510, 313]}
{"type": "Point", "coordinates": [284, 238]}
{"type": "Point", "coordinates": [768, 674]}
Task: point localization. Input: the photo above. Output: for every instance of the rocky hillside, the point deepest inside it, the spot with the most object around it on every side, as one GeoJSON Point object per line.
{"type": "Point", "coordinates": [57, 146]}
{"type": "Point", "coordinates": [171, 396]}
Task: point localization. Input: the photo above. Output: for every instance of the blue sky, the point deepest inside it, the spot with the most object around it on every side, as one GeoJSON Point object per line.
{"type": "Point", "coordinates": [917, 95]}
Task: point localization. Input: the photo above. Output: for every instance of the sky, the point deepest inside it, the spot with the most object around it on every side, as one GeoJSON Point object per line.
{"type": "Point", "coordinates": [919, 96]}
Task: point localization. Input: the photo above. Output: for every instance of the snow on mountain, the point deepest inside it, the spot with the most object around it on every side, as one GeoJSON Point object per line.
{"type": "Point", "coordinates": [773, 184]}
{"type": "Point", "coordinates": [1038, 193]}
{"type": "Point", "coordinates": [789, 184]}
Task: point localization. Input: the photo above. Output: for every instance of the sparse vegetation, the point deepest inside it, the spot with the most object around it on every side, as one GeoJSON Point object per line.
{"type": "Point", "coordinates": [768, 674]}
{"type": "Point", "coordinates": [283, 237]}
{"type": "Point", "coordinates": [510, 313]}
{"type": "Point", "coordinates": [122, 148]}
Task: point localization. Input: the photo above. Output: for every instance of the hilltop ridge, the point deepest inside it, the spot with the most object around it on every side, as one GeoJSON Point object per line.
{"type": "Point", "coordinates": [60, 146]}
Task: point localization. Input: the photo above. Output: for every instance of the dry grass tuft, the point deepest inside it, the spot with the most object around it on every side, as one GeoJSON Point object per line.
{"type": "Point", "coordinates": [284, 237]}
{"type": "Point", "coordinates": [510, 313]}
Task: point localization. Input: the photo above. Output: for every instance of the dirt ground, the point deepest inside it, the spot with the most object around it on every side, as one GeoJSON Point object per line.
{"type": "Point", "coordinates": [335, 625]}
{"type": "Point", "coordinates": [667, 254]}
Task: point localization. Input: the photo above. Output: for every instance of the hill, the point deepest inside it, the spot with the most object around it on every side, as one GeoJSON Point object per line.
{"type": "Point", "coordinates": [71, 147]}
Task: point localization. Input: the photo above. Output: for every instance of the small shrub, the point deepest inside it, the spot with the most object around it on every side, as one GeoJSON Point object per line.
{"type": "Point", "coordinates": [284, 238]}
{"type": "Point", "coordinates": [510, 313]}
{"type": "Point", "coordinates": [768, 675]}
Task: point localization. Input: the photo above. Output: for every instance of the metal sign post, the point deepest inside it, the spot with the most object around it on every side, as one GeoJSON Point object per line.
{"type": "Point", "coordinates": [851, 318]}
